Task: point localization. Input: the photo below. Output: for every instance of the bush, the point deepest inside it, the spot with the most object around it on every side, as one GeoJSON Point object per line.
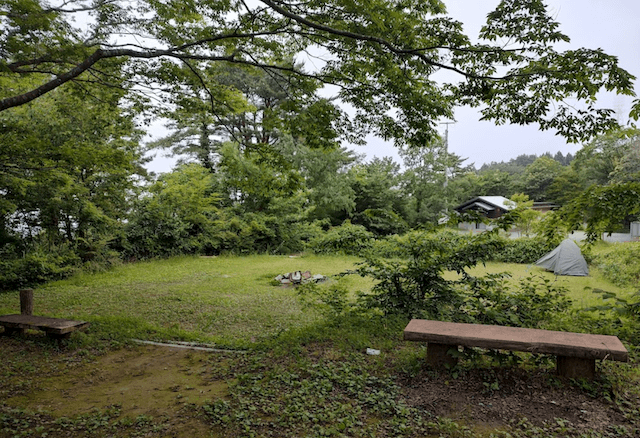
{"type": "Point", "coordinates": [388, 247]}
{"type": "Point", "coordinates": [41, 263]}
{"type": "Point", "coordinates": [619, 263]}
{"type": "Point", "coordinates": [346, 239]}
{"type": "Point", "coordinates": [380, 221]}
{"type": "Point", "coordinates": [523, 250]}
{"type": "Point", "coordinates": [414, 285]}
{"type": "Point", "coordinates": [154, 231]}
{"type": "Point", "coordinates": [491, 300]}
{"type": "Point", "coordinates": [262, 233]}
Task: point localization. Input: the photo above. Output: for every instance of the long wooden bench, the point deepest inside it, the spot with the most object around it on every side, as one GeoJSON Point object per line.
{"type": "Point", "coordinates": [576, 352]}
{"type": "Point", "coordinates": [54, 327]}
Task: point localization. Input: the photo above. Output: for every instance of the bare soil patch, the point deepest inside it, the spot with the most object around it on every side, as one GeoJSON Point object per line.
{"type": "Point", "coordinates": [164, 384]}
{"type": "Point", "coordinates": [501, 397]}
{"type": "Point", "coordinates": [146, 380]}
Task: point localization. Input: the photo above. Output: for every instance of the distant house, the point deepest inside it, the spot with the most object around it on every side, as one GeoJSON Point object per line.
{"type": "Point", "coordinates": [491, 207]}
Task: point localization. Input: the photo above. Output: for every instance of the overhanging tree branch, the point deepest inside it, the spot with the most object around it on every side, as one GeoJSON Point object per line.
{"type": "Point", "coordinates": [381, 57]}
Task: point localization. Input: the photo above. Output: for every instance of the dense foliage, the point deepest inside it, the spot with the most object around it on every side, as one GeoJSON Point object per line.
{"type": "Point", "coordinates": [345, 239]}
{"type": "Point", "coordinates": [619, 263]}
{"type": "Point", "coordinates": [415, 285]}
{"type": "Point", "coordinates": [381, 58]}
{"type": "Point", "coordinates": [262, 161]}
{"type": "Point", "coordinates": [523, 250]}
{"type": "Point", "coordinates": [68, 166]}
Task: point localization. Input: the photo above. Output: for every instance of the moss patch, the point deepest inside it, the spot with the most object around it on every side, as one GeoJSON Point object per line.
{"type": "Point", "coordinates": [142, 381]}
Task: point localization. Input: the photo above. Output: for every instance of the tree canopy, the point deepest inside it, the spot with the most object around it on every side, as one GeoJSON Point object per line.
{"type": "Point", "coordinates": [246, 89]}
{"type": "Point", "coordinates": [381, 56]}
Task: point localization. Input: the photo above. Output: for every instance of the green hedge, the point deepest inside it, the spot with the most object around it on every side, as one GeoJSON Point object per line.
{"type": "Point", "coordinates": [346, 239]}
{"type": "Point", "coordinates": [523, 250]}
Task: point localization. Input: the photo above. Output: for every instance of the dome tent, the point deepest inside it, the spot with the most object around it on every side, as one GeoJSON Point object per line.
{"type": "Point", "coordinates": [565, 259]}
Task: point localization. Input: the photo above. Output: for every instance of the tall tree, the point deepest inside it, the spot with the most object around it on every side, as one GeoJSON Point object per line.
{"type": "Point", "coordinates": [628, 169]}
{"type": "Point", "coordinates": [566, 186]}
{"type": "Point", "coordinates": [539, 176]}
{"type": "Point", "coordinates": [252, 108]}
{"type": "Point", "coordinates": [378, 199]}
{"type": "Point", "coordinates": [328, 182]}
{"type": "Point", "coordinates": [609, 157]}
{"type": "Point", "coordinates": [497, 183]}
{"type": "Point", "coordinates": [380, 56]}
{"type": "Point", "coordinates": [430, 179]}
{"type": "Point", "coordinates": [67, 165]}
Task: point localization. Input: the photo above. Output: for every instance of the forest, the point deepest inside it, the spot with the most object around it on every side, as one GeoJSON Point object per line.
{"type": "Point", "coordinates": [271, 177]}
{"type": "Point", "coordinates": [263, 163]}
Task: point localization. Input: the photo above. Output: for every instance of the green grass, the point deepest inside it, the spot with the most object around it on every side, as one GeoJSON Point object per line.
{"type": "Point", "coordinates": [305, 376]}
{"type": "Point", "coordinates": [579, 289]}
{"type": "Point", "coordinates": [226, 300]}
{"type": "Point", "coordinates": [229, 301]}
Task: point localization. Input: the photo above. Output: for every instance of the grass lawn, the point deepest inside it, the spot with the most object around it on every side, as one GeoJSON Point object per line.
{"type": "Point", "coordinates": [579, 289]}
{"type": "Point", "coordinates": [226, 300]}
{"type": "Point", "coordinates": [230, 301]}
{"type": "Point", "coordinates": [299, 375]}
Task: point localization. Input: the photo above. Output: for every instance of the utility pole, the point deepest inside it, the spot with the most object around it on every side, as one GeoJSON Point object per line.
{"type": "Point", "coordinates": [446, 151]}
{"type": "Point", "coordinates": [446, 164]}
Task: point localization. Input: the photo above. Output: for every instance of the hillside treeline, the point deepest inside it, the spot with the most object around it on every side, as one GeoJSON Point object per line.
{"type": "Point", "coordinates": [267, 173]}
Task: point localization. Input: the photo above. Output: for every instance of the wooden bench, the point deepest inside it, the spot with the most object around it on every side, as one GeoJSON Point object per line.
{"type": "Point", "coordinates": [576, 352]}
{"type": "Point", "coordinates": [54, 327]}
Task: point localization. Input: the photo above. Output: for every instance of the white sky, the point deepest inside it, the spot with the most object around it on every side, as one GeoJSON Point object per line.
{"type": "Point", "coordinates": [612, 25]}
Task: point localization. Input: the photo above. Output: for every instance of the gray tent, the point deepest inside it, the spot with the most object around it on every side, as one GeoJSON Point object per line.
{"type": "Point", "coordinates": [565, 259]}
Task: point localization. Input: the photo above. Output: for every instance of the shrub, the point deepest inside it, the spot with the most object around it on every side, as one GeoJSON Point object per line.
{"type": "Point", "coordinates": [387, 247]}
{"type": "Point", "coordinates": [523, 250]}
{"type": "Point", "coordinates": [414, 285]}
{"type": "Point", "coordinates": [39, 264]}
{"type": "Point", "coordinates": [490, 300]}
{"type": "Point", "coordinates": [263, 233]}
{"type": "Point", "coordinates": [346, 239]}
{"type": "Point", "coordinates": [155, 232]}
{"type": "Point", "coordinates": [619, 263]}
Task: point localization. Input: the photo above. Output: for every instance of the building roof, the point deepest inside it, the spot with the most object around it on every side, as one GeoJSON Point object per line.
{"type": "Point", "coordinates": [487, 203]}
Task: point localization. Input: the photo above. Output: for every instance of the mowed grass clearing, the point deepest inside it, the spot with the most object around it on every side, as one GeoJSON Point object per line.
{"type": "Point", "coordinates": [579, 289]}
{"type": "Point", "coordinates": [225, 300]}
{"type": "Point", "coordinates": [230, 301]}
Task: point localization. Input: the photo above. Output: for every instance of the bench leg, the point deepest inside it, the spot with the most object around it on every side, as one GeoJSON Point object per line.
{"type": "Point", "coordinates": [576, 368]}
{"type": "Point", "coordinates": [58, 337]}
{"type": "Point", "coordinates": [438, 357]}
{"type": "Point", "coordinates": [8, 331]}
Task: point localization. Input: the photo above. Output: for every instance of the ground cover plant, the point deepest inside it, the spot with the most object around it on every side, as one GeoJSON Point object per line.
{"type": "Point", "coordinates": [618, 263]}
{"type": "Point", "coordinates": [290, 367]}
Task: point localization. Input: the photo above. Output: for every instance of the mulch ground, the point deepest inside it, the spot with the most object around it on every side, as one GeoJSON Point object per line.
{"type": "Point", "coordinates": [500, 397]}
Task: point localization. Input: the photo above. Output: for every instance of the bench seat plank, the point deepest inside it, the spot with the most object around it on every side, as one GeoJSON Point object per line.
{"type": "Point", "coordinates": [578, 345]}
{"type": "Point", "coordinates": [54, 326]}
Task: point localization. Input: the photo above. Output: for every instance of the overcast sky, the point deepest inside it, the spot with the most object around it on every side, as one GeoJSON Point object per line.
{"type": "Point", "coordinates": [612, 25]}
